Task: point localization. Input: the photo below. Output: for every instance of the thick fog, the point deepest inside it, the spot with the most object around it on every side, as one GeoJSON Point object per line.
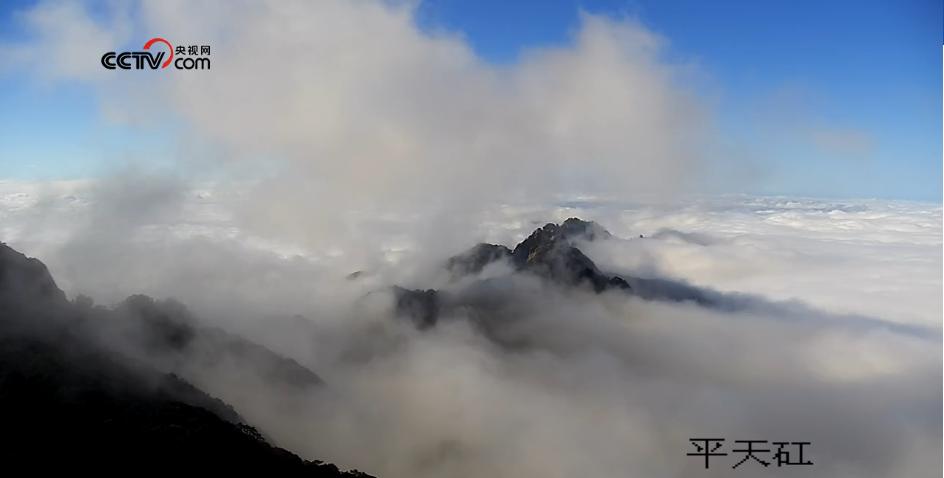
{"type": "Point", "coordinates": [336, 137]}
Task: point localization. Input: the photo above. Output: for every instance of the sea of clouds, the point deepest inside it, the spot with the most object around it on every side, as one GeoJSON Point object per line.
{"type": "Point", "coordinates": [840, 346]}
{"type": "Point", "coordinates": [337, 136]}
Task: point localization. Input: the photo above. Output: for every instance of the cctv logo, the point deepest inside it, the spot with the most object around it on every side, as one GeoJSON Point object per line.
{"type": "Point", "coordinates": [140, 60]}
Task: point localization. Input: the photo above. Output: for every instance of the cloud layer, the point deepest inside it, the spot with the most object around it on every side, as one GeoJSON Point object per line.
{"type": "Point", "coordinates": [335, 136]}
{"type": "Point", "coordinates": [607, 385]}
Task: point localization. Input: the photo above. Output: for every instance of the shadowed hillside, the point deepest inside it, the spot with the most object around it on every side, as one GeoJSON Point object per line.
{"type": "Point", "coordinates": [67, 401]}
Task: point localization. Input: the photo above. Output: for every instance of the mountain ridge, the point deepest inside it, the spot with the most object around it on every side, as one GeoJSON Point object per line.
{"type": "Point", "coordinates": [552, 254]}
{"type": "Point", "coordinates": [68, 402]}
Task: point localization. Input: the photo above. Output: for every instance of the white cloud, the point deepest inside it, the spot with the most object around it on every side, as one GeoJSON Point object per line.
{"type": "Point", "coordinates": [611, 386]}
{"type": "Point", "coordinates": [383, 148]}
{"type": "Point", "coordinates": [869, 257]}
{"type": "Point", "coordinates": [348, 105]}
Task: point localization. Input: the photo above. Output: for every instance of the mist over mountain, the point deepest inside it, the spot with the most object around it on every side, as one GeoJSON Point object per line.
{"type": "Point", "coordinates": [552, 254]}
{"type": "Point", "coordinates": [470, 365]}
{"type": "Point", "coordinates": [95, 389]}
{"type": "Point", "coordinates": [439, 239]}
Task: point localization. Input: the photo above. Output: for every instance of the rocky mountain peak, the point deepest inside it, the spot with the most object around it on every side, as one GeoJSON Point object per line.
{"type": "Point", "coordinates": [550, 252]}
{"type": "Point", "coordinates": [574, 228]}
{"type": "Point", "coordinates": [475, 259]}
{"type": "Point", "coordinates": [551, 237]}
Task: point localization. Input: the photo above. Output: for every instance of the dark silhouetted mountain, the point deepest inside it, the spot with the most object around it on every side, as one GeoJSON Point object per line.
{"type": "Point", "coordinates": [69, 403]}
{"type": "Point", "coordinates": [475, 259]}
{"type": "Point", "coordinates": [22, 276]}
{"type": "Point", "coordinates": [168, 332]}
{"type": "Point", "coordinates": [421, 306]}
{"type": "Point", "coordinates": [551, 252]}
{"type": "Point", "coordinates": [574, 228]}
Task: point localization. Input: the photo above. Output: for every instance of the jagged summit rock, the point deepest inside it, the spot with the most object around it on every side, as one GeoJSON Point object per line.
{"type": "Point", "coordinates": [552, 236]}
{"type": "Point", "coordinates": [563, 264]}
{"type": "Point", "coordinates": [574, 228]}
{"type": "Point", "coordinates": [552, 253]}
{"type": "Point", "coordinates": [549, 252]}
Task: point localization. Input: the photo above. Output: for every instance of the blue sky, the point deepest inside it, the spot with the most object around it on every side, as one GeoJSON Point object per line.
{"type": "Point", "coordinates": [835, 98]}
